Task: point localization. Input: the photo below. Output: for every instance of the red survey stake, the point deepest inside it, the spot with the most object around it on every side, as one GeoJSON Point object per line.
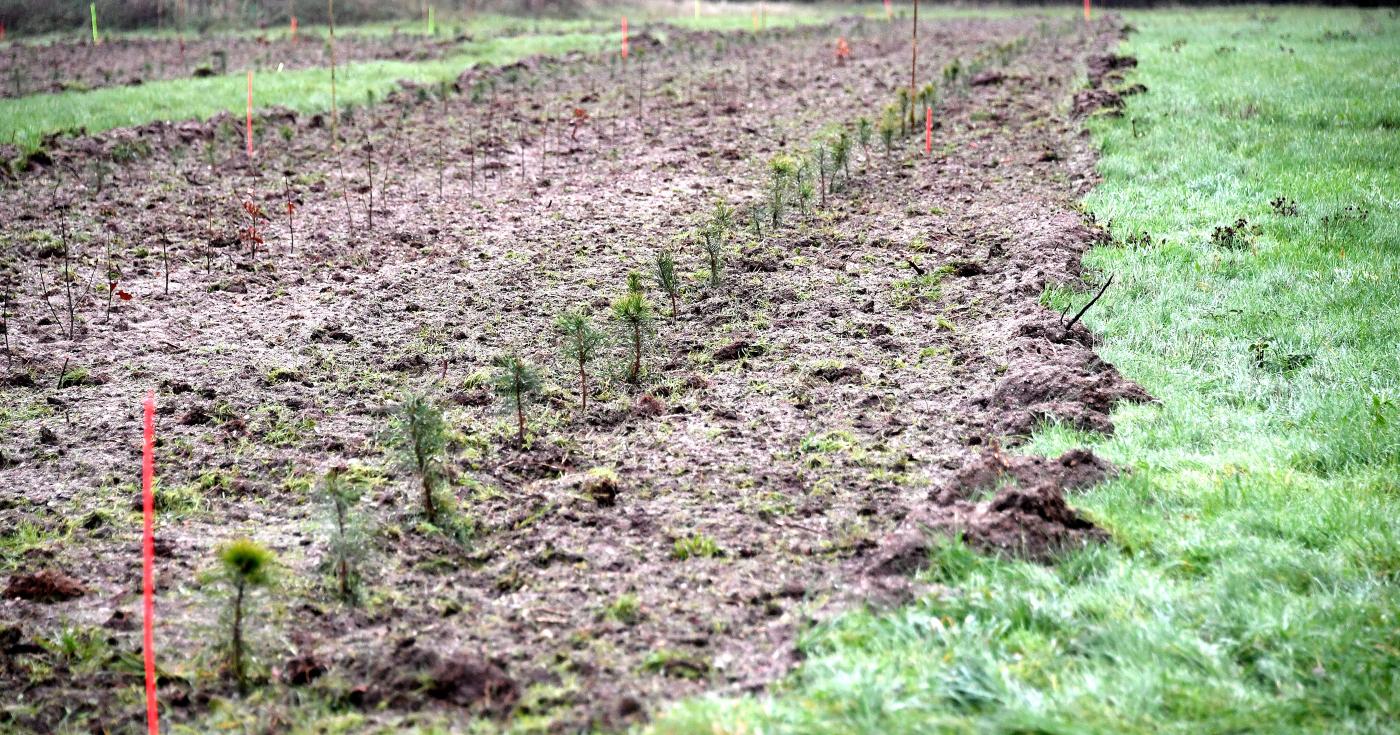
{"type": "Point", "coordinates": [148, 562]}
{"type": "Point", "coordinates": [624, 36]}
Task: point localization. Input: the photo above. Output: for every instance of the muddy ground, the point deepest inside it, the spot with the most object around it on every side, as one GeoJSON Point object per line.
{"type": "Point", "coordinates": [33, 68]}
{"type": "Point", "coordinates": [800, 428]}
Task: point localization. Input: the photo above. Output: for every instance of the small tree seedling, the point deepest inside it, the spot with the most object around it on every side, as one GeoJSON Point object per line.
{"type": "Point", "coordinates": [633, 314]}
{"type": "Point", "coordinates": [516, 380]}
{"type": "Point", "coordinates": [666, 277]}
{"type": "Point", "coordinates": [580, 344]}
{"type": "Point", "coordinates": [345, 547]}
{"type": "Point", "coordinates": [246, 565]}
{"type": "Point", "coordinates": [781, 170]}
{"type": "Point", "coordinates": [634, 282]}
{"type": "Point", "coordinates": [420, 434]}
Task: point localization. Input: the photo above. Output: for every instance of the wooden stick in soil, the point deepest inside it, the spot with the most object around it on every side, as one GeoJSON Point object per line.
{"type": "Point", "coordinates": [914, 66]}
{"type": "Point", "coordinates": [369, 163]}
{"type": "Point", "coordinates": [335, 111]}
{"type": "Point", "coordinates": [1082, 311]}
{"type": "Point", "coordinates": [291, 223]}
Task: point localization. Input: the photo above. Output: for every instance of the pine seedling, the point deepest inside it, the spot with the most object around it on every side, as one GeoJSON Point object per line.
{"type": "Point", "coordinates": [781, 170]}
{"type": "Point", "coordinates": [863, 133]}
{"type": "Point", "coordinates": [821, 157]}
{"type": "Point", "coordinates": [666, 277]}
{"type": "Point", "coordinates": [841, 155]}
{"type": "Point", "coordinates": [634, 283]}
{"type": "Point", "coordinates": [633, 314]}
{"type": "Point", "coordinates": [420, 435]}
{"type": "Point", "coordinates": [889, 123]}
{"type": "Point", "coordinates": [345, 545]}
{"type": "Point", "coordinates": [713, 244]}
{"type": "Point", "coordinates": [246, 565]}
{"type": "Point", "coordinates": [515, 381]}
{"type": "Point", "coordinates": [580, 344]}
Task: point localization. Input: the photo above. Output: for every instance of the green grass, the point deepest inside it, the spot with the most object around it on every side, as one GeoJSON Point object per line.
{"type": "Point", "coordinates": [27, 119]}
{"type": "Point", "coordinates": [498, 39]}
{"type": "Point", "coordinates": [1253, 582]}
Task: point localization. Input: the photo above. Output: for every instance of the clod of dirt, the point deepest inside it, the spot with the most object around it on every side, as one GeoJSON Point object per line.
{"type": "Point", "coordinates": [45, 586]}
{"type": "Point", "coordinates": [1108, 66]}
{"type": "Point", "coordinates": [842, 374]}
{"type": "Point", "coordinates": [987, 78]}
{"type": "Point", "coordinates": [1077, 468]}
{"type": "Point", "coordinates": [1053, 388]}
{"type": "Point", "coordinates": [739, 349]}
{"type": "Point", "coordinates": [1089, 101]}
{"type": "Point", "coordinates": [303, 669]}
{"type": "Point", "coordinates": [649, 406]}
{"type": "Point", "coordinates": [601, 484]}
{"type": "Point", "coordinates": [403, 675]}
{"type": "Point", "coordinates": [1032, 523]}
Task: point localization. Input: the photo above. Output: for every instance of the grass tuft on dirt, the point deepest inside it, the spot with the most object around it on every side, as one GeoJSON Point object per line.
{"type": "Point", "coordinates": [1251, 584]}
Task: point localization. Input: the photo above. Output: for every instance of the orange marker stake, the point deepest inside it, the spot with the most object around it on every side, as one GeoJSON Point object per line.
{"type": "Point", "coordinates": [2, 31]}
{"type": "Point", "coordinates": [624, 36]}
{"type": "Point", "coordinates": [889, 13]}
{"type": "Point", "coordinates": [294, 28]}
{"type": "Point", "coordinates": [250, 114]}
{"type": "Point", "coordinates": [148, 555]}
{"type": "Point", "coordinates": [928, 130]}
{"type": "Point", "coordinates": [1086, 10]}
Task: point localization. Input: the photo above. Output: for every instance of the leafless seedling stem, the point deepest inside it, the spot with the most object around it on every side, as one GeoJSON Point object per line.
{"type": "Point", "coordinates": [1082, 311]}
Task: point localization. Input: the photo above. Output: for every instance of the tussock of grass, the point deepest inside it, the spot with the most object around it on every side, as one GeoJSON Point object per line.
{"type": "Point", "coordinates": [1252, 584]}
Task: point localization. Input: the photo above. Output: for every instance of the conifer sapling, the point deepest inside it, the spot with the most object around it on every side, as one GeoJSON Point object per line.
{"type": "Point", "coordinates": [345, 547]}
{"type": "Point", "coordinates": [420, 434]}
{"type": "Point", "coordinates": [516, 380]}
{"type": "Point", "coordinates": [666, 277]}
{"type": "Point", "coordinates": [633, 313]}
{"type": "Point", "coordinates": [580, 344]}
{"type": "Point", "coordinates": [246, 565]}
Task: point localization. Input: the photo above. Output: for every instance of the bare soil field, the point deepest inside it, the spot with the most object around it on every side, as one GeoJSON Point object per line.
{"type": "Point", "coordinates": [63, 65]}
{"type": "Point", "coordinates": [848, 383]}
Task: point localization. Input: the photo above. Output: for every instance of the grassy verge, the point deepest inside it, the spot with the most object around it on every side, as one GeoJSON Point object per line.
{"type": "Point", "coordinates": [1254, 580]}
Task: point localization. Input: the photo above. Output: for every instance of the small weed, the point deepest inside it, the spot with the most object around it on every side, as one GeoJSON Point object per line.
{"type": "Point", "coordinates": [696, 546]}
{"type": "Point", "coordinates": [625, 609]}
{"type": "Point", "coordinates": [1239, 236]}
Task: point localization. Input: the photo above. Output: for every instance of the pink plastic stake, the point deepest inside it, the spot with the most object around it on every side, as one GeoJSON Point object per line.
{"type": "Point", "coordinates": [888, 12]}
{"type": "Point", "coordinates": [928, 130]}
{"type": "Point", "coordinates": [148, 557]}
{"type": "Point", "coordinates": [294, 28]}
{"type": "Point", "coordinates": [624, 36]}
{"type": "Point", "coordinates": [250, 114]}
{"type": "Point", "coordinates": [1086, 11]}
{"type": "Point", "coordinates": [2, 31]}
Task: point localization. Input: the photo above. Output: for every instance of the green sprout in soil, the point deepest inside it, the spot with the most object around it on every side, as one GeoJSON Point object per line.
{"type": "Point", "coordinates": [841, 155]}
{"type": "Point", "coordinates": [516, 380]}
{"type": "Point", "coordinates": [863, 132]}
{"type": "Point", "coordinates": [633, 314]}
{"type": "Point", "coordinates": [580, 344]}
{"type": "Point", "coordinates": [696, 546]}
{"type": "Point", "coordinates": [782, 170]}
{"type": "Point", "coordinates": [634, 283]}
{"type": "Point", "coordinates": [420, 434]}
{"type": "Point", "coordinates": [666, 277]}
{"type": "Point", "coordinates": [246, 565]}
{"type": "Point", "coordinates": [889, 124]}
{"type": "Point", "coordinates": [345, 548]}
